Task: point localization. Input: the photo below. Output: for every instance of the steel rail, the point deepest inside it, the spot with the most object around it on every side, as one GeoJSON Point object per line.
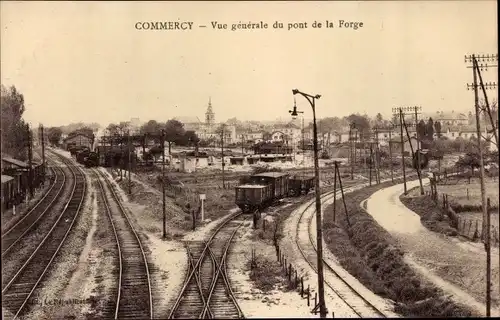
{"type": "Point", "coordinates": [135, 235]}
{"type": "Point", "coordinates": [327, 196]}
{"type": "Point", "coordinates": [6, 246]}
{"type": "Point", "coordinates": [200, 259]}
{"type": "Point", "coordinates": [218, 270]}
{"type": "Point", "coordinates": [62, 241]}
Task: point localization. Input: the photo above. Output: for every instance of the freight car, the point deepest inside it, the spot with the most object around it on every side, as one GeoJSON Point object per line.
{"type": "Point", "coordinates": [300, 185]}
{"type": "Point", "coordinates": [261, 190]}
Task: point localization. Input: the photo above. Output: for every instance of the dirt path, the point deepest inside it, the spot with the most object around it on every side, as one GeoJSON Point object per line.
{"type": "Point", "coordinates": [458, 269]}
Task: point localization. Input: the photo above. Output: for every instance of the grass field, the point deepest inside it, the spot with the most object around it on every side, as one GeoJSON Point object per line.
{"type": "Point", "coordinates": [462, 193]}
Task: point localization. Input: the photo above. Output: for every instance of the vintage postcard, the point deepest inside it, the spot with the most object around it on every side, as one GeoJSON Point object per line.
{"type": "Point", "coordinates": [249, 159]}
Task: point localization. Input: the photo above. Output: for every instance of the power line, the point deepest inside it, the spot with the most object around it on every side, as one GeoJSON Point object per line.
{"type": "Point", "coordinates": [476, 70]}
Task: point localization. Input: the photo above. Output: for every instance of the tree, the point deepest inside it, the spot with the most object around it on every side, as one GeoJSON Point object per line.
{"type": "Point", "coordinates": [85, 131]}
{"type": "Point", "coordinates": [152, 128]}
{"type": "Point", "coordinates": [14, 129]}
{"type": "Point", "coordinates": [437, 127]}
{"type": "Point", "coordinates": [54, 135]}
{"type": "Point", "coordinates": [429, 130]}
{"type": "Point", "coordinates": [362, 125]}
{"type": "Point", "coordinates": [422, 130]}
{"type": "Point", "coordinates": [470, 160]}
{"type": "Point", "coordinates": [379, 120]}
{"type": "Point", "coordinates": [174, 132]}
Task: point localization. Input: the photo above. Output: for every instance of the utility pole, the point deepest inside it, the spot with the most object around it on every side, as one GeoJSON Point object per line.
{"type": "Point", "coordinates": [352, 147]}
{"type": "Point", "coordinates": [121, 156]}
{"type": "Point", "coordinates": [390, 154]}
{"type": "Point", "coordinates": [370, 164]}
{"type": "Point", "coordinates": [242, 145]}
{"type": "Point", "coordinates": [222, 151]}
{"type": "Point", "coordinates": [413, 155]}
{"type": "Point", "coordinates": [30, 160]}
{"type": "Point", "coordinates": [484, 204]}
{"type": "Point", "coordinates": [129, 164]}
{"type": "Point", "coordinates": [419, 147]}
{"type": "Point", "coordinates": [163, 183]}
{"type": "Point", "coordinates": [377, 164]}
{"type": "Point", "coordinates": [400, 112]}
{"type": "Point", "coordinates": [43, 152]}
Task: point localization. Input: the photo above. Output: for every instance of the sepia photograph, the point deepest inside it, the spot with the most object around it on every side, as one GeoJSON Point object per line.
{"type": "Point", "coordinates": [249, 159]}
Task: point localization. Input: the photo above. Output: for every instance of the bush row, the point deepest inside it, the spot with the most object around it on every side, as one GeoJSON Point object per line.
{"type": "Point", "coordinates": [369, 253]}
{"type": "Point", "coordinates": [431, 215]}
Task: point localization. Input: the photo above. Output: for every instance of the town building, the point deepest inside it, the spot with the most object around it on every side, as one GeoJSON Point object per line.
{"type": "Point", "coordinates": [450, 118]}
{"type": "Point", "coordinates": [208, 130]}
{"type": "Point", "coordinates": [78, 140]}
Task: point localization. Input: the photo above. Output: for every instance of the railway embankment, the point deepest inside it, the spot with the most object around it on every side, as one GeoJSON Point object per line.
{"type": "Point", "coordinates": [372, 255]}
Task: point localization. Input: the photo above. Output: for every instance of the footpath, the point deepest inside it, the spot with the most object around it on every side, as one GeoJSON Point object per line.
{"type": "Point", "coordinates": [456, 267]}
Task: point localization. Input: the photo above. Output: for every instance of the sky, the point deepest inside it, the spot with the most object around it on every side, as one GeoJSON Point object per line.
{"type": "Point", "coordinates": [86, 61]}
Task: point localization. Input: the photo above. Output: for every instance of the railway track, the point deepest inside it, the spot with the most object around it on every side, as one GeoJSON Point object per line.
{"type": "Point", "coordinates": [18, 291]}
{"type": "Point", "coordinates": [14, 234]}
{"type": "Point", "coordinates": [134, 298]}
{"type": "Point", "coordinates": [353, 299]}
{"type": "Point", "coordinates": [207, 292]}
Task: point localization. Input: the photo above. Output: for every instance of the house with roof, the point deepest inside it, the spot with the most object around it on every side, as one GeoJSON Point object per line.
{"type": "Point", "coordinates": [451, 118]}
{"type": "Point", "coordinates": [78, 140]}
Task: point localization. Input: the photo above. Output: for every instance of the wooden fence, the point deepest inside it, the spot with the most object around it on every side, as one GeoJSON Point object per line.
{"type": "Point", "coordinates": [470, 228]}
{"type": "Point", "coordinates": [295, 281]}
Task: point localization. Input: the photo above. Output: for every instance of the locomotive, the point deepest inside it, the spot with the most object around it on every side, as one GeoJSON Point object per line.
{"type": "Point", "coordinates": [262, 189]}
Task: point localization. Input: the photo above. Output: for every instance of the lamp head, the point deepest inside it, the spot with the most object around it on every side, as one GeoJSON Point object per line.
{"type": "Point", "coordinates": [295, 91]}
{"type": "Point", "coordinates": [294, 112]}
{"type": "Point", "coordinates": [317, 96]}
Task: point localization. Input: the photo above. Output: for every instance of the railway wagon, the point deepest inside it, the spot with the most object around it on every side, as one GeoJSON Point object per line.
{"type": "Point", "coordinates": [298, 185]}
{"type": "Point", "coordinates": [277, 180]}
{"type": "Point", "coordinates": [252, 197]}
{"type": "Point", "coordinates": [92, 160]}
{"type": "Point", "coordinates": [81, 156]}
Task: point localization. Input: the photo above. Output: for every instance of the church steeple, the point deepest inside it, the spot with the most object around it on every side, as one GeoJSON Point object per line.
{"type": "Point", "coordinates": [209, 115]}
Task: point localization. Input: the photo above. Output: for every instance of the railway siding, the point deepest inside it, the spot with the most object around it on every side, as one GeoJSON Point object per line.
{"type": "Point", "coordinates": [20, 288]}
{"type": "Point", "coordinates": [134, 296]}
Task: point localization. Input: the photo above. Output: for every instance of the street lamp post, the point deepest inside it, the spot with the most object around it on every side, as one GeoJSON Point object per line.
{"type": "Point", "coordinates": [319, 235]}
{"type": "Point", "coordinates": [294, 114]}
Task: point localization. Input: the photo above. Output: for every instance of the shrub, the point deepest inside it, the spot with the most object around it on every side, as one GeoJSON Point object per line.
{"type": "Point", "coordinates": [369, 253]}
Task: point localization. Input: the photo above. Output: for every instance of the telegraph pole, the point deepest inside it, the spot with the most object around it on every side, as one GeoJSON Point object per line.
{"type": "Point", "coordinates": [43, 151]}
{"type": "Point", "coordinates": [390, 154]}
{"type": "Point", "coordinates": [371, 162]}
{"type": "Point", "coordinates": [377, 164]}
{"type": "Point", "coordinates": [163, 183]}
{"type": "Point", "coordinates": [30, 160]}
{"type": "Point", "coordinates": [223, 164]}
{"type": "Point", "coordinates": [129, 164]}
{"type": "Point", "coordinates": [486, 215]}
{"type": "Point", "coordinates": [413, 154]}
{"type": "Point", "coordinates": [352, 147]}
{"type": "Point", "coordinates": [242, 145]}
{"type": "Point", "coordinates": [400, 112]}
{"type": "Point", "coordinates": [419, 147]}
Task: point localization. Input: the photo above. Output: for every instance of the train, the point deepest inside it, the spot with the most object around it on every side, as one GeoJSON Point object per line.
{"type": "Point", "coordinates": [87, 158]}
{"type": "Point", "coordinates": [262, 189]}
